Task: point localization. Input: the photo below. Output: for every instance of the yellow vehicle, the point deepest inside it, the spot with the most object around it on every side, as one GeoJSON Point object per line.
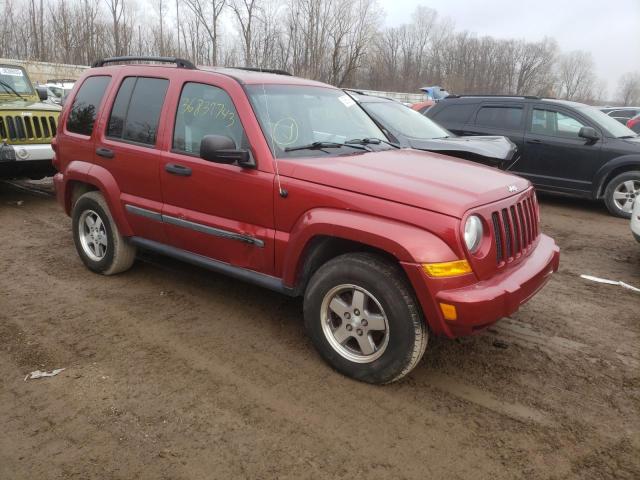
{"type": "Point", "coordinates": [26, 126]}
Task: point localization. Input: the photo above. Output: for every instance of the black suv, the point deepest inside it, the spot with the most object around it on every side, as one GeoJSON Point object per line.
{"type": "Point", "coordinates": [565, 147]}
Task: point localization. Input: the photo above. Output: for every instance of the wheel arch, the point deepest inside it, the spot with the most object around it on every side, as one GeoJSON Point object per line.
{"type": "Point", "coordinates": [79, 181]}
{"type": "Point", "coordinates": [323, 234]}
{"type": "Point", "coordinates": [612, 169]}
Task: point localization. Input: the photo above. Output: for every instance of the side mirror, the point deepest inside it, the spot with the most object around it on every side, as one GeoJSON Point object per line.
{"type": "Point", "coordinates": [222, 149]}
{"type": "Point", "coordinates": [42, 93]}
{"type": "Point", "coordinates": [589, 133]}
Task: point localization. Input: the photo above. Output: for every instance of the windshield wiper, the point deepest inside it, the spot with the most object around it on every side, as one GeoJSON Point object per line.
{"type": "Point", "coordinates": [628, 136]}
{"type": "Point", "coordinates": [322, 145]}
{"type": "Point", "coordinates": [9, 87]}
{"type": "Point", "coordinates": [370, 141]}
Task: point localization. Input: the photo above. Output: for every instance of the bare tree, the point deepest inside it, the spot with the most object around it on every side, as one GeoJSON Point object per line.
{"type": "Point", "coordinates": [629, 88]}
{"type": "Point", "coordinates": [207, 13]}
{"type": "Point", "coordinates": [576, 79]}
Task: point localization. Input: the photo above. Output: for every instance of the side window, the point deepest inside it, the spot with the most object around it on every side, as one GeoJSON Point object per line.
{"type": "Point", "coordinates": [509, 118]}
{"type": "Point", "coordinates": [85, 105]}
{"type": "Point", "coordinates": [205, 110]}
{"type": "Point", "coordinates": [622, 113]}
{"type": "Point", "coordinates": [556, 124]}
{"type": "Point", "coordinates": [454, 113]}
{"type": "Point", "coordinates": [136, 111]}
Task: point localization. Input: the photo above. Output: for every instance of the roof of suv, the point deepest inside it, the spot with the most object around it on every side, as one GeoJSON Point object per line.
{"type": "Point", "coordinates": [247, 76]}
{"type": "Point", "coordinates": [508, 98]}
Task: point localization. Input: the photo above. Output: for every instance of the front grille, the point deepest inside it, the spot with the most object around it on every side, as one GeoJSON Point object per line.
{"type": "Point", "coordinates": [19, 128]}
{"type": "Point", "coordinates": [515, 228]}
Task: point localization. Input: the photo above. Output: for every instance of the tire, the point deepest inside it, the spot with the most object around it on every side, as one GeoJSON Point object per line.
{"type": "Point", "coordinates": [101, 247]}
{"type": "Point", "coordinates": [620, 193]}
{"type": "Point", "coordinates": [389, 323]}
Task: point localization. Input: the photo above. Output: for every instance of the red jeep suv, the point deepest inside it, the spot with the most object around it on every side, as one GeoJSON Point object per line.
{"type": "Point", "coordinates": [287, 183]}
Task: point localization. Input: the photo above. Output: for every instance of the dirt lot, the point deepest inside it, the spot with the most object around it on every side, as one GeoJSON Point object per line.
{"type": "Point", "coordinates": [173, 372]}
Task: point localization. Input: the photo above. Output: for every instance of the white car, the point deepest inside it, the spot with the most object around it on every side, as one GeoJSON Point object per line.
{"type": "Point", "coordinates": [635, 219]}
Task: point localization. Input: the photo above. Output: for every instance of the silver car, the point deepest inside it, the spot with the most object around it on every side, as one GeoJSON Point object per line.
{"type": "Point", "coordinates": [635, 219]}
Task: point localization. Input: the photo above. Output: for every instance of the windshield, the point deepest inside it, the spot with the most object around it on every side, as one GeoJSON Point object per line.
{"type": "Point", "coordinates": [57, 91]}
{"type": "Point", "coordinates": [613, 126]}
{"type": "Point", "coordinates": [16, 78]}
{"type": "Point", "coordinates": [405, 120]}
{"type": "Point", "coordinates": [294, 116]}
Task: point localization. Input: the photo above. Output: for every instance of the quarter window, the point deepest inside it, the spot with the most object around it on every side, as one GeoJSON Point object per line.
{"type": "Point", "coordinates": [509, 118]}
{"type": "Point", "coordinates": [85, 105]}
{"type": "Point", "coordinates": [556, 124]}
{"type": "Point", "coordinates": [205, 110]}
{"type": "Point", "coordinates": [454, 113]}
{"type": "Point", "coordinates": [136, 111]}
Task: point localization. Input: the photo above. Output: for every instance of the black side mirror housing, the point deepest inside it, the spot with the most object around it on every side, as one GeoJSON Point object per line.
{"type": "Point", "coordinates": [222, 149]}
{"type": "Point", "coordinates": [589, 133]}
{"type": "Point", "coordinates": [42, 93]}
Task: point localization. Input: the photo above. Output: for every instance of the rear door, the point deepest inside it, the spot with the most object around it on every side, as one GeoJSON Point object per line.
{"type": "Point", "coordinates": [496, 118]}
{"type": "Point", "coordinates": [223, 212]}
{"type": "Point", "coordinates": [555, 157]}
{"type": "Point", "coordinates": [127, 147]}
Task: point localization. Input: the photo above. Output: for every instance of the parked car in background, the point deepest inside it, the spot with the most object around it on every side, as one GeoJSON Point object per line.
{"type": "Point", "coordinates": [410, 129]}
{"type": "Point", "coordinates": [287, 183]}
{"type": "Point", "coordinates": [59, 89]}
{"type": "Point", "coordinates": [435, 93]}
{"type": "Point", "coordinates": [635, 219]}
{"type": "Point", "coordinates": [565, 147]}
{"type": "Point", "coordinates": [634, 124]}
{"type": "Point", "coordinates": [621, 114]}
{"type": "Point", "coordinates": [27, 125]}
{"type": "Point", "coordinates": [422, 107]}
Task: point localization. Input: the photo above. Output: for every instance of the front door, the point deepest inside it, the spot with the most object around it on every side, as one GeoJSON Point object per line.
{"type": "Point", "coordinates": [554, 156]}
{"type": "Point", "coordinates": [223, 212]}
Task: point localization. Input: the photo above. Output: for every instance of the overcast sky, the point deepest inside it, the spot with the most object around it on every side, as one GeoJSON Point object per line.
{"type": "Point", "coordinates": [609, 29]}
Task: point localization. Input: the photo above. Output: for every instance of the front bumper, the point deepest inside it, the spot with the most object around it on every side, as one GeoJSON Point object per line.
{"type": "Point", "coordinates": [30, 161]}
{"type": "Point", "coordinates": [25, 153]}
{"type": "Point", "coordinates": [481, 303]}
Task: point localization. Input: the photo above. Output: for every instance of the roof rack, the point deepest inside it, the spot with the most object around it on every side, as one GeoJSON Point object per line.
{"type": "Point", "coordinates": [264, 70]}
{"type": "Point", "coordinates": [180, 63]}
{"type": "Point", "coordinates": [528, 97]}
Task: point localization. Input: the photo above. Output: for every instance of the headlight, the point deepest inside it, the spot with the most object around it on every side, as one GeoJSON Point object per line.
{"type": "Point", "coordinates": [473, 233]}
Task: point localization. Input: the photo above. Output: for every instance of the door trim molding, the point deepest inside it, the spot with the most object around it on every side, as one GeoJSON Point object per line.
{"type": "Point", "coordinates": [198, 227]}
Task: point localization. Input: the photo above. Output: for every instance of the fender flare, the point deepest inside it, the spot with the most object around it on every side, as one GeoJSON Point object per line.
{"type": "Point", "coordinates": [100, 178]}
{"type": "Point", "coordinates": [405, 242]}
{"type": "Point", "coordinates": [632, 160]}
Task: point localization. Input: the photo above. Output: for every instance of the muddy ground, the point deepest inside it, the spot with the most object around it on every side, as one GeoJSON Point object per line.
{"type": "Point", "coordinates": [176, 373]}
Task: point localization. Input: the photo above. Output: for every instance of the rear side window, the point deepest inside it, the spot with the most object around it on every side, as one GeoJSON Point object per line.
{"type": "Point", "coordinates": [205, 110]}
{"type": "Point", "coordinates": [509, 118]}
{"type": "Point", "coordinates": [85, 105]}
{"type": "Point", "coordinates": [453, 113]}
{"type": "Point", "coordinates": [136, 111]}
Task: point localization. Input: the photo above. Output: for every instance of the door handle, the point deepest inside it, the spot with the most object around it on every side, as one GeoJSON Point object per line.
{"type": "Point", "coordinates": [105, 152]}
{"type": "Point", "coordinates": [535, 141]}
{"type": "Point", "coordinates": [177, 169]}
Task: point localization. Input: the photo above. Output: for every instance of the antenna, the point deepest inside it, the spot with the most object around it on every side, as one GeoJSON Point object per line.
{"type": "Point", "coordinates": [283, 193]}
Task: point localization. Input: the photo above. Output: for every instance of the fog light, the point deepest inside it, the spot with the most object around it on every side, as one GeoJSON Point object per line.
{"type": "Point", "coordinates": [449, 311]}
{"type": "Point", "coordinates": [22, 153]}
{"type": "Point", "coordinates": [447, 269]}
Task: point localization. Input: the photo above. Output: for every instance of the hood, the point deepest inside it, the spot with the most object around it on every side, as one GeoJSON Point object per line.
{"type": "Point", "coordinates": [490, 150]}
{"type": "Point", "coordinates": [426, 180]}
{"type": "Point", "coordinates": [15, 103]}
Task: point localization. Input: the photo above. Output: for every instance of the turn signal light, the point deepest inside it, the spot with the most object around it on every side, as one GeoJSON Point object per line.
{"type": "Point", "coordinates": [449, 311]}
{"type": "Point", "coordinates": [447, 269]}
